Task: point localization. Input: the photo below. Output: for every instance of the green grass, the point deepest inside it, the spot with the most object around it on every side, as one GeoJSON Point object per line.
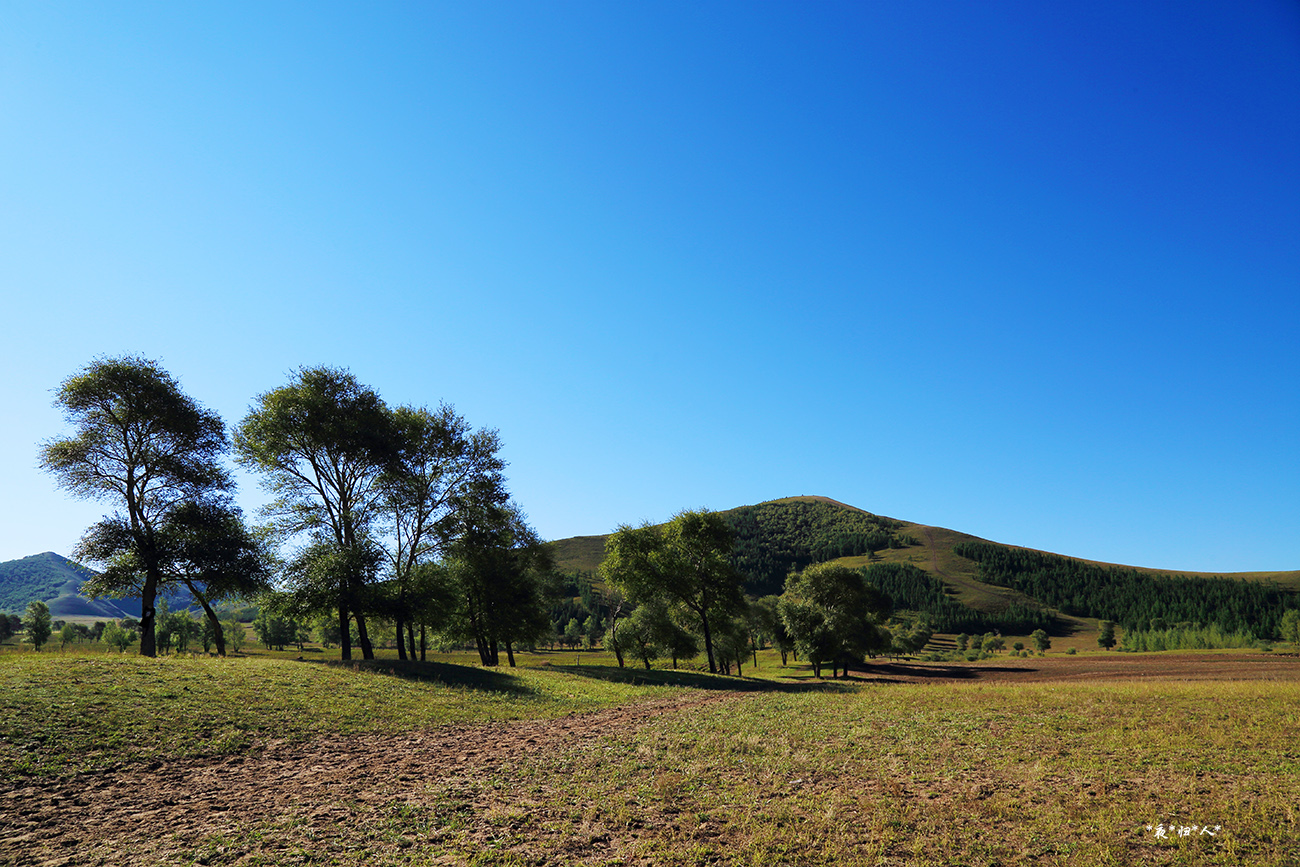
{"type": "Point", "coordinates": [63, 713]}
{"type": "Point", "coordinates": [951, 774]}
{"type": "Point", "coordinates": [786, 773]}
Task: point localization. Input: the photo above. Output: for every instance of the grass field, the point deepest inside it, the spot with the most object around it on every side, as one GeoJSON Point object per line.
{"type": "Point", "coordinates": [278, 761]}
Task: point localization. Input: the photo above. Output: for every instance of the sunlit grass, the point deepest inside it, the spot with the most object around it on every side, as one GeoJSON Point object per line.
{"type": "Point", "coordinates": [61, 713]}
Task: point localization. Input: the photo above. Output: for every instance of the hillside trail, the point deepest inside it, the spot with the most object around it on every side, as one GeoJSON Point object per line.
{"type": "Point", "coordinates": [156, 812]}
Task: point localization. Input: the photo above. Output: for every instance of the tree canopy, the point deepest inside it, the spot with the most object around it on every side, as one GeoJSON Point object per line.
{"type": "Point", "coordinates": [833, 615]}
{"type": "Point", "coordinates": [686, 562]}
{"type": "Point", "coordinates": [145, 446]}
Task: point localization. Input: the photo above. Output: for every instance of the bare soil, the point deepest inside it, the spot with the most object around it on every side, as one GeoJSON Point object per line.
{"type": "Point", "coordinates": [1108, 666]}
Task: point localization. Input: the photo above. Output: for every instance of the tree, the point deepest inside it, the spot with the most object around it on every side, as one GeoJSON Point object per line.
{"type": "Point", "coordinates": [116, 636]}
{"type": "Point", "coordinates": [67, 635]}
{"type": "Point", "coordinates": [234, 632]}
{"type": "Point", "coordinates": [834, 615]}
{"type": "Point", "coordinates": [496, 567]}
{"type": "Point", "coordinates": [687, 562]}
{"type": "Point", "coordinates": [439, 464]}
{"type": "Point", "coordinates": [144, 445]}
{"type": "Point", "coordinates": [1289, 626]}
{"type": "Point", "coordinates": [1041, 642]}
{"type": "Point", "coordinates": [203, 546]}
{"type": "Point", "coordinates": [768, 616]}
{"type": "Point", "coordinates": [274, 631]}
{"type": "Point", "coordinates": [322, 444]}
{"type": "Point", "coordinates": [992, 644]}
{"type": "Point", "coordinates": [1106, 637]}
{"type": "Point", "coordinates": [9, 626]}
{"type": "Point", "coordinates": [37, 623]}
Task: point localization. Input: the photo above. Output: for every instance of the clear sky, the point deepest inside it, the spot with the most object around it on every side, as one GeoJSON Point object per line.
{"type": "Point", "coordinates": [1026, 270]}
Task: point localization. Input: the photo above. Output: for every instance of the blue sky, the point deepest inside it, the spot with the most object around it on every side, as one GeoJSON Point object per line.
{"type": "Point", "coordinates": [1029, 271]}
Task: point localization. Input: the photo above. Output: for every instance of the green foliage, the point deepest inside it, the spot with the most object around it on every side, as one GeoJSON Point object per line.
{"type": "Point", "coordinates": [37, 623]}
{"type": "Point", "coordinates": [275, 632]}
{"type": "Point", "coordinates": [498, 572]}
{"type": "Point", "coordinates": [322, 444]}
{"type": "Point", "coordinates": [912, 589]}
{"type": "Point", "coordinates": [41, 576]}
{"type": "Point", "coordinates": [1106, 635]}
{"type": "Point", "coordinates": [153, 452]}
{"type": "Point", "coordinates": [833, 615]}
{"type": "Point", "coordinates": [774, 539]}
{"type": "Point", "coordinates": [1128, 597]}
{"type": "Point", "coordinates": [115, 635]}
{"type": "Point", "coordinates": [1041, 642]}
{"type": "Point", "coordinates": [1289, 627]}
{"type": "Point", "coordinates": [1185, 638]}
{"type": "Point", "coordinates": [686, 563]}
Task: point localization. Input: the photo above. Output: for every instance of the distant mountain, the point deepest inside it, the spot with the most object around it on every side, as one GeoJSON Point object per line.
{"type": "Point", "coordinates": [56, 581]}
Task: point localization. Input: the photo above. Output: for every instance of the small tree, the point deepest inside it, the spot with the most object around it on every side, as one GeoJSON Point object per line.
{"type": "Point", "coordinates": [992, 644]}
{"type": "Point", "coordinates": [1041, 641]}
{"type": "Point", "coordinates": [963, 641]}
{"type": "Point", "coordinates": [573, 632]}
{"type": "Point", "coordinates": [1106, 637]}
{"type": "Point", "coordinates": [1289, 628]}
{"type": "Point", "coordinates": [234, 631]}
{"type": "Point", "coordinates": [37, 623]}
{"type": "Point", "coordinates": [67, 635]}
{"type": "Point", "coordinates": [116, 636]}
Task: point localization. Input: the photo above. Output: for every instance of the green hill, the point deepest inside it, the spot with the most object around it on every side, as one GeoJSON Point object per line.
{"type": "Point", "coordinates": [55, 581]}
{"type": "Point", "coordinates": [920, 567]}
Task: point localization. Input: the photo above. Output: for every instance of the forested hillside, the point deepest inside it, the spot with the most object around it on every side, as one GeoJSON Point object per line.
{"type": "Point", "coordinates": [912, 589]}
{"type": "Point", "coordinates": [773, 539]}
{"type": "Point", "coordinates": [1132, 598]}
{"type": "Point", "coordinates": [40, 576]}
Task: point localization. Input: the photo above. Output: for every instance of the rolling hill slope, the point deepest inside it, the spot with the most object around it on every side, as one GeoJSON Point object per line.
{"type": "Point", "coordinates": [790, 533]}
{"type": "Point", "coordinates": [57, 581]}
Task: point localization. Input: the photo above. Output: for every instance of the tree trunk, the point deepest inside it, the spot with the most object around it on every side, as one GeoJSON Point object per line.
{"type": "Point", "coordinates": [422, 643]}
{"type": "Point", "coordinates": [410, 640]}
{"type": "Point", "coordinates": [367, 650]}
{"type": "Point", "coordinates": [401, 641]}
{"type": "Point", "coordinates": [510, 654]}
{"type": "Point", "coordinates": [345, 633]}
{"type": "Point", "coordinates": [148, 641]}
{"type": "Point", "coordinates": [217, 632]}
{"type": "Point", "coordinates": [708, 642]}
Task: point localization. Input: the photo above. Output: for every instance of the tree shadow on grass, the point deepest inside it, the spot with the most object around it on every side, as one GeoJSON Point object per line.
{"type": "Point", "coordinates": [444, 673]}
{"type": "Point", "coordinates": [694, 679]}
{"type": "Point", "coordinates": [891, 672]}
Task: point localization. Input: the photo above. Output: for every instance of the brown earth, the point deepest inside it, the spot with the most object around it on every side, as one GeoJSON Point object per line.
{"type": "Point", "coordinates": [332, 799]}
{"type": "Point", "coordinates": [1108, 666]}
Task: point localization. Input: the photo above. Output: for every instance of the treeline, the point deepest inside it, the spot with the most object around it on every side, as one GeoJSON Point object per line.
{"type": "Point", "coordinates": [774, 539]}
{"type": "Point", "coordinates": [1131, 598]}
{"type": "Point", "coordinates": [914, 589]}
{"type": "Point", "coordinates": [383, 517]}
